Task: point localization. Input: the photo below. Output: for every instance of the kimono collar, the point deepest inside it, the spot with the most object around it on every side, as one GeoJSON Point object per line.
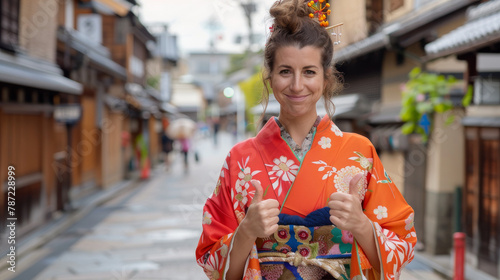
{"type": "Point", "coordinates": [271, 130]}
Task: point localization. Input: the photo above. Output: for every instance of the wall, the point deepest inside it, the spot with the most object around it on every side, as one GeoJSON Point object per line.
{"type": "Point", "coordinates": [353, 14]}
{"type": "Point", "coordinates": [394, 75]}
{"type": "Point", "coordinates": [38, 26]}
{"type": "Point", "coordinates": [112, 159]}
{"type": "Point", "coordinates": [445, 167]}
{"type": "Point", "coordinates": [394, 165]}
{"type": "Point", "coordinates": [154, 140]}
{"type": "Point", "coordinates": [389, 16]}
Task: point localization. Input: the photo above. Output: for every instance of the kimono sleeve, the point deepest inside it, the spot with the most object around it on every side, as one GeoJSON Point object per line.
{"type": "Point", "coordinates": [392, 220]}
{"type": "Point", "coordinates": [219, 224]}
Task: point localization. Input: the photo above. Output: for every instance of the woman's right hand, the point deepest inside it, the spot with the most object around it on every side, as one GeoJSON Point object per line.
{"type": "Point", "coordinates": [261, 219]}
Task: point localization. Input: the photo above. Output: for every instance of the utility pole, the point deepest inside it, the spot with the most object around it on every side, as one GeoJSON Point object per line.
{"type": "Point", "coordinates": [249, 8]}
{"type": "Point", "coordinates": [213, 26]}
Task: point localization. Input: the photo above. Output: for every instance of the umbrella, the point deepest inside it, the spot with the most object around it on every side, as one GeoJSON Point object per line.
{"type": "Point", "coordinates": [181, 128]}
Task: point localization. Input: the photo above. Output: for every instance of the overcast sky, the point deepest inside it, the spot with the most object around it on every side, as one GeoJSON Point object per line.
{"type": "Point", "coordinates": [189, 20]}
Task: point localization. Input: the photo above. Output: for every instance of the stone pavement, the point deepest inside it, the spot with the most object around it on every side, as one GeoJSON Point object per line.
{"type": "Point", "coordinates": [147, 232]}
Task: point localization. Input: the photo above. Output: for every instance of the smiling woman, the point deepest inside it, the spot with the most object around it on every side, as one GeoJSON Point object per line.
{"type": "Point", "coordinates": [304, 200]}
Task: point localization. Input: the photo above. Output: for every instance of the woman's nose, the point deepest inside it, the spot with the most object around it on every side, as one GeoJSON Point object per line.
{"type": "Point", "coordinates": [297, 84]}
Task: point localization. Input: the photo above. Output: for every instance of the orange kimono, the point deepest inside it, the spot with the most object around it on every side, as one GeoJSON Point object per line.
{"type": "Point", "coordinates": [306, 250]}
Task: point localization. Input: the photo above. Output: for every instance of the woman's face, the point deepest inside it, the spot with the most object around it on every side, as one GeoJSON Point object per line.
{"type": "Point", "coordinates": [297, 80]}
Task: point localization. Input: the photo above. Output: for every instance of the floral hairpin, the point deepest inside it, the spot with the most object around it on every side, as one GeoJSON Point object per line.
{"type": "Point", "coordinates": [320, 11]}
{"type": "Point", "coordinates": [336, 32]}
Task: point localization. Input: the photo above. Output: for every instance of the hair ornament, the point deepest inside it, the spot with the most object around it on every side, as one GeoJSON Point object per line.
{"type": "Point", "coordinates": [320, 10]}
{"type": "Point", "coordinates": [336, 32]}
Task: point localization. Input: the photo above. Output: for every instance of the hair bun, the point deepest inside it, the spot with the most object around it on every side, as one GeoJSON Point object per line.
{"type": "Point", "coordinates": [289, 15]}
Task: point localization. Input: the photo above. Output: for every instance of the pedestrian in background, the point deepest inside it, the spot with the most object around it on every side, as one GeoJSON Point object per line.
{"type": "Point", "coordinates": [304, 200]}
{"type": "Point", "coordinates": [167, 145]}
{"type": "Point", "coordinates": [185, 147]}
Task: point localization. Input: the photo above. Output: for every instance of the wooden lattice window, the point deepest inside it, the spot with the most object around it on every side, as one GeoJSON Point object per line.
{"type": "Point", "coordinates": [9, 24]}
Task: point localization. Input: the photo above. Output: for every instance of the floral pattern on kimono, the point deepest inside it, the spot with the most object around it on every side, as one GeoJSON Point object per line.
{"type": "Point", "coordinates": [334, 158]}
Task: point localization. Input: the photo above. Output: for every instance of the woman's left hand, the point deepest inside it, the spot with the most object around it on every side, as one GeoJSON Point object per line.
{"type": "Point", "coordinates": [346, 211]}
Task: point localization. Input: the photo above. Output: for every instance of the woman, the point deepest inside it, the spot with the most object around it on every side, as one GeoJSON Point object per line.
{"type": "Point", "coordinates": [303, 200]}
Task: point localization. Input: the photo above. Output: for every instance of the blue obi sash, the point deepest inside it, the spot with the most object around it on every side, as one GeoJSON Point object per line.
{"type": "Point", "coordinates": [306, 248]}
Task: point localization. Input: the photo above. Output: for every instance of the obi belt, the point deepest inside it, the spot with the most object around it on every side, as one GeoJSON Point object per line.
{"type": "Point", "coordinates": [306, 248]}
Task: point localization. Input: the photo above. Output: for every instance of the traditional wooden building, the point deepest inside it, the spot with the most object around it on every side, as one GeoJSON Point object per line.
{"type": "Point", "coordinates": [113, 51]}
{"type": "Point", "coordinates": [83, 56]}
{"type": "Point", "coordinates": [70, 111]}
{"type": "Point", "coordinates": [32, 88]}
{"type": "Point", "coordinates": [476, 44]}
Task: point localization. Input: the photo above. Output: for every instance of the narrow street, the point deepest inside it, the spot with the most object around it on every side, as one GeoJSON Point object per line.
{"type": "Point", "coordinates": [149, 232]}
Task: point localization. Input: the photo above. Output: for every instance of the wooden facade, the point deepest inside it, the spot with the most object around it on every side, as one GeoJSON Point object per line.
{"type": "Point", "coordinates": [56, 163]}
{"type": "Point", "coordinates": [481, 211]}
{"type": "Point", "coordinates": [30, 139]}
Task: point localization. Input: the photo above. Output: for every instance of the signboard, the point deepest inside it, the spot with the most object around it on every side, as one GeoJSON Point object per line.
{"type": "Point", "coordinates": [68, 113]}
{"type": "Point", "coordinates": [90, 25]}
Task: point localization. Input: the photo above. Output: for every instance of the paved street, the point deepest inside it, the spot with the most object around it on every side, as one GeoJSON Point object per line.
{"type": "Point", "coordinates": [148, 232]}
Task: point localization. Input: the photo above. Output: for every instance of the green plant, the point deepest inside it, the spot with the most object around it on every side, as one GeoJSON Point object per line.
{"type": "Point", "coordinates": [424, 95]}
{"type": "Point", "coordinates": [252, 89]}
{"type": "Point", "coordinates": [154, 82]}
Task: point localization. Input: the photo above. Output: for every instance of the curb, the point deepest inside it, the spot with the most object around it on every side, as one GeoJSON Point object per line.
{"type": "Point", "coordinates": [430, 262]}
{"type": "Point", "coordinates": [471, 273]}
{"type": "Point", "coordinates": [56, 226]}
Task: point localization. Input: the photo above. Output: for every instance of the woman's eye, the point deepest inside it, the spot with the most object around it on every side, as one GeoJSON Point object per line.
{"type": "Point", "coordinates": [310, 72]}
{"type": "Point", "coordinates": [285, 71]}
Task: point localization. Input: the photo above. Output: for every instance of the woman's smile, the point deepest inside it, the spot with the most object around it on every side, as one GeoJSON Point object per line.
{"type": "Point", "coordinates": [296, 98]}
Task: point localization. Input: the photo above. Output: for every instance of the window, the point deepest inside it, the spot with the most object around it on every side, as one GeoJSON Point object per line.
{"type": "Point", "coordinates": [121, 30]}
{"type": "Point", "coordinates": [9, 24]}
{"type": "Point", "coordinates": [374, 14]}
{"type": "Point", "coordinates": [487, 91]}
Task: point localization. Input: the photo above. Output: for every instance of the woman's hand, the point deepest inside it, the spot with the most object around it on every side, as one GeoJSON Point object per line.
{"type": "Point", "coordinates": [346, 211]}
{"type": "Point", "coordinates": [261, 219]}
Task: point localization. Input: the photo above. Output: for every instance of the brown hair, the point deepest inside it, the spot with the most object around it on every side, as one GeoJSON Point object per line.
{"type": "Point", "coordinates": [294, 27]}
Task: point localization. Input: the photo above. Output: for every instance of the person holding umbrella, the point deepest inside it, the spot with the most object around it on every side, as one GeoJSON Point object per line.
{"type": "Point", "coordinates": [183, 129]}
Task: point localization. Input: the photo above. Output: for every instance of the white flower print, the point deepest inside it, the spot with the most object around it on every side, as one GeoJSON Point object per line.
{"type": "Point", "coordinates": [240, 196]}
{"type": "Point", "coordinates": [366, 163]}
{"type": "Point", "coordinates": [409, 222]}
{"type": "Point", "coordinates": [336, 130]}
{"type": "Point", "coordinates": [217, 189]}
{"type": "Point", "coordinates": [330, 169]}
{"type": "Point", "coordinates": [344, 176]}
{"type": "Point", "coordinates": [411, 234]}
{"type": "Point", "coordinates": [223, 250]}
{"type": "Point", "coordinates": [381, 212]}
{"type": "Point", "coordinates": [212, 266]}
{"type": "Point", "coordinates": [245, 175]}
{"type": "Point", "coordinates": [399, 251]}
{"type": "Point", "coordinates": [207, 218]}
{"type": "Point", "coordinates": [325, 142]}
{"type": "Point", "coordinates": [225, 166]}
{"type": "Point", "coordinates": [283, 170]}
